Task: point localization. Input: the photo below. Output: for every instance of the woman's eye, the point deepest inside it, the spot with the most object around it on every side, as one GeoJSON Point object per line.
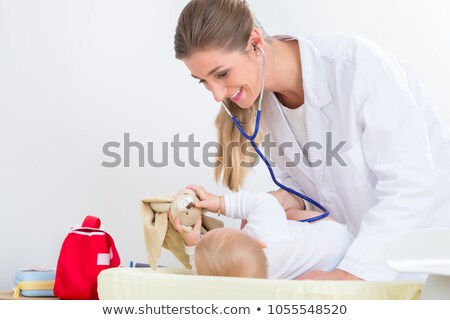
{"type": "Point", "coordinates": [223, 74]}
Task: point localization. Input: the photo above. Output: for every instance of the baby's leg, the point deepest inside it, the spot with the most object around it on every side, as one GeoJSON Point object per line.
{"type": "Point", "coordinates": [294, 206]}
{"type": "Point", "coordinates": [287, 200]}
{"type": "Point", "coordinates": [294, 214]}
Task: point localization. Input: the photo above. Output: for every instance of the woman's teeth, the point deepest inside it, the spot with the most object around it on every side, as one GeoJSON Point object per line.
{"type": "Point", "coordinates": [235, 95]}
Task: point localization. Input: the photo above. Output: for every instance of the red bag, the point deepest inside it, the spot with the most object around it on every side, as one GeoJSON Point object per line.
{"type": "Point", "coordinates": [84, 253]}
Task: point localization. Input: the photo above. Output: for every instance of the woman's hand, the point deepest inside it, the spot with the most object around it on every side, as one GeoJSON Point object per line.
{"type": "Point", "coordinates": [323, 275]}
{"type": "Point", "coordinates": [191, 238]}
{"type": "Point", "coordinates": [208, 201]}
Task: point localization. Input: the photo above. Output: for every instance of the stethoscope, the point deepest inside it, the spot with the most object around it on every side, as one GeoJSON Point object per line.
{"type": "Point", "coordinates": [252, 137]}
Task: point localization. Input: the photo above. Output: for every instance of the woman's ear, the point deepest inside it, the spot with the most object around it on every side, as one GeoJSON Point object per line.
{"type": "Point", "coordinates": [256, 39]}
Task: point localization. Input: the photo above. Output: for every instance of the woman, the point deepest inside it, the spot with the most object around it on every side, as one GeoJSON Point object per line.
{"type": "Point", "coordinates": [375, 150]}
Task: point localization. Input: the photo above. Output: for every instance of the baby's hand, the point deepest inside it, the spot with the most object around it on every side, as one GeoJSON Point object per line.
{"type": "Point", "coordinates": [208, 201]}
{"type": "Point", "coordinates": [191, 238]}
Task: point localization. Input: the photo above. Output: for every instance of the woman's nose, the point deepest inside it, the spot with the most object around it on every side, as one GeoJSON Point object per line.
{"type": "Point", "coordinates": [219, 92]}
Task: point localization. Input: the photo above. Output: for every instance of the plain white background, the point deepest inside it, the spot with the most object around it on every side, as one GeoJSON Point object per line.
{"type": "Point", "coordinates": [75, 75]}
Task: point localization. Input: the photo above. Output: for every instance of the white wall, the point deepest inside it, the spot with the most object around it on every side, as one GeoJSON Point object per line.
{"type": "Point", "coordinates": [77, 74]}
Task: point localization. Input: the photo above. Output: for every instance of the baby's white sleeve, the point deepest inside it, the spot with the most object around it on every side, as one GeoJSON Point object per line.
{"type": "Point", "coordinates": [266, 218]}
{"type": "Point", "coordinates": [190, 251]}
{"type": "Point", "coordinates": [239, 205]}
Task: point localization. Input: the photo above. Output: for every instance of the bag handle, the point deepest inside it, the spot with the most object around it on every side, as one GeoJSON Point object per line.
{"type": "Point", "coordinates": [115, 258]}
{"type": "Point", "coordinates": [95, 223]}
{"type": "Point", "coordinates": [91, 222]}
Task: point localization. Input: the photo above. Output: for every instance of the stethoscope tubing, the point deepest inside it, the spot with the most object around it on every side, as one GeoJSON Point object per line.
{"type": "Point", "coordinates": [272, 174]}
{"type": "Point", "coordinates": [252, 137]}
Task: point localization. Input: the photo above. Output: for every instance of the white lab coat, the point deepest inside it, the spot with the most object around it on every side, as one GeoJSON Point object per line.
{"type": "Point", "coordinates": [397, 150]}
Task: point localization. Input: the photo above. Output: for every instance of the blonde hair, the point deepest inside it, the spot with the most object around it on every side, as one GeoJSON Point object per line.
{"type": "Point", "coordinates": [224, 24]}
{"type": "Point", "coordinates": [230, 253]}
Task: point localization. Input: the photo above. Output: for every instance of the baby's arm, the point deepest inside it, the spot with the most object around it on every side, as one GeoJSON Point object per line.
{"type": "Point", "coordinates": [266, 218]}
{"type": "Point", "coordinates": [208, 201]}
{"type": "Point", "coordinates": [191, 239]}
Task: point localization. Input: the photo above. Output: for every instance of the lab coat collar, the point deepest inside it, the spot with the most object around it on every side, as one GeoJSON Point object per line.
{"type": "Point", "coordinates": [315, 87]}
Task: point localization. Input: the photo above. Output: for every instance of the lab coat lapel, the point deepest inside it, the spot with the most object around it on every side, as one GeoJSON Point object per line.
{"type": "Point", "coordinates": [317, 127]}
{"type": "Point", "coordinates": [317, 96]}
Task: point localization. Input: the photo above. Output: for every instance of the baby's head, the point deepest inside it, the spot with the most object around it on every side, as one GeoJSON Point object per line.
{"type": "Point", "coordinates": [230, 253]}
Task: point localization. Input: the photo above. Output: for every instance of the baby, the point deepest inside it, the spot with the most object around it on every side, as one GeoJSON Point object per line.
{"type": "Point", "coordinates": [271, 244]}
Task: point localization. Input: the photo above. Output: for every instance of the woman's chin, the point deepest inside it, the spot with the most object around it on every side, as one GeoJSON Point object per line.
{"type": "Point", "coordinates": [245, 104]}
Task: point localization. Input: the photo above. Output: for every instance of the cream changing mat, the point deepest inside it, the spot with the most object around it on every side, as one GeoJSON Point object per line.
{"type": "Point", "coordinates": [181, 284]}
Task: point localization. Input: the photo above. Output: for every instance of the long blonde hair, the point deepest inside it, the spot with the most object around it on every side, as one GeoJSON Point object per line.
{"type": "Point", "coordinates": [224, 24]}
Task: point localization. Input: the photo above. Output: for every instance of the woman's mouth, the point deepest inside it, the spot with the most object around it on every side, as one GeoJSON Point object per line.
{"type": "Point", "coordinates": [235, 97]}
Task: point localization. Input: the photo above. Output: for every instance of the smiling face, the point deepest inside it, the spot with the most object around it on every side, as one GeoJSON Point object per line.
{"type": "Point", "coordinates": [235, 75]}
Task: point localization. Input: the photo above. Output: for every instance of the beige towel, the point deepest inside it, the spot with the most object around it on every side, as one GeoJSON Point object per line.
{"type": "Point", "coordinates": [159, 232]}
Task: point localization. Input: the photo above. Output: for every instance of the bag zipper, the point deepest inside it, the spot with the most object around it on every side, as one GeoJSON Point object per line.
{"type": "Point", "coordinates": [33, 285]}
